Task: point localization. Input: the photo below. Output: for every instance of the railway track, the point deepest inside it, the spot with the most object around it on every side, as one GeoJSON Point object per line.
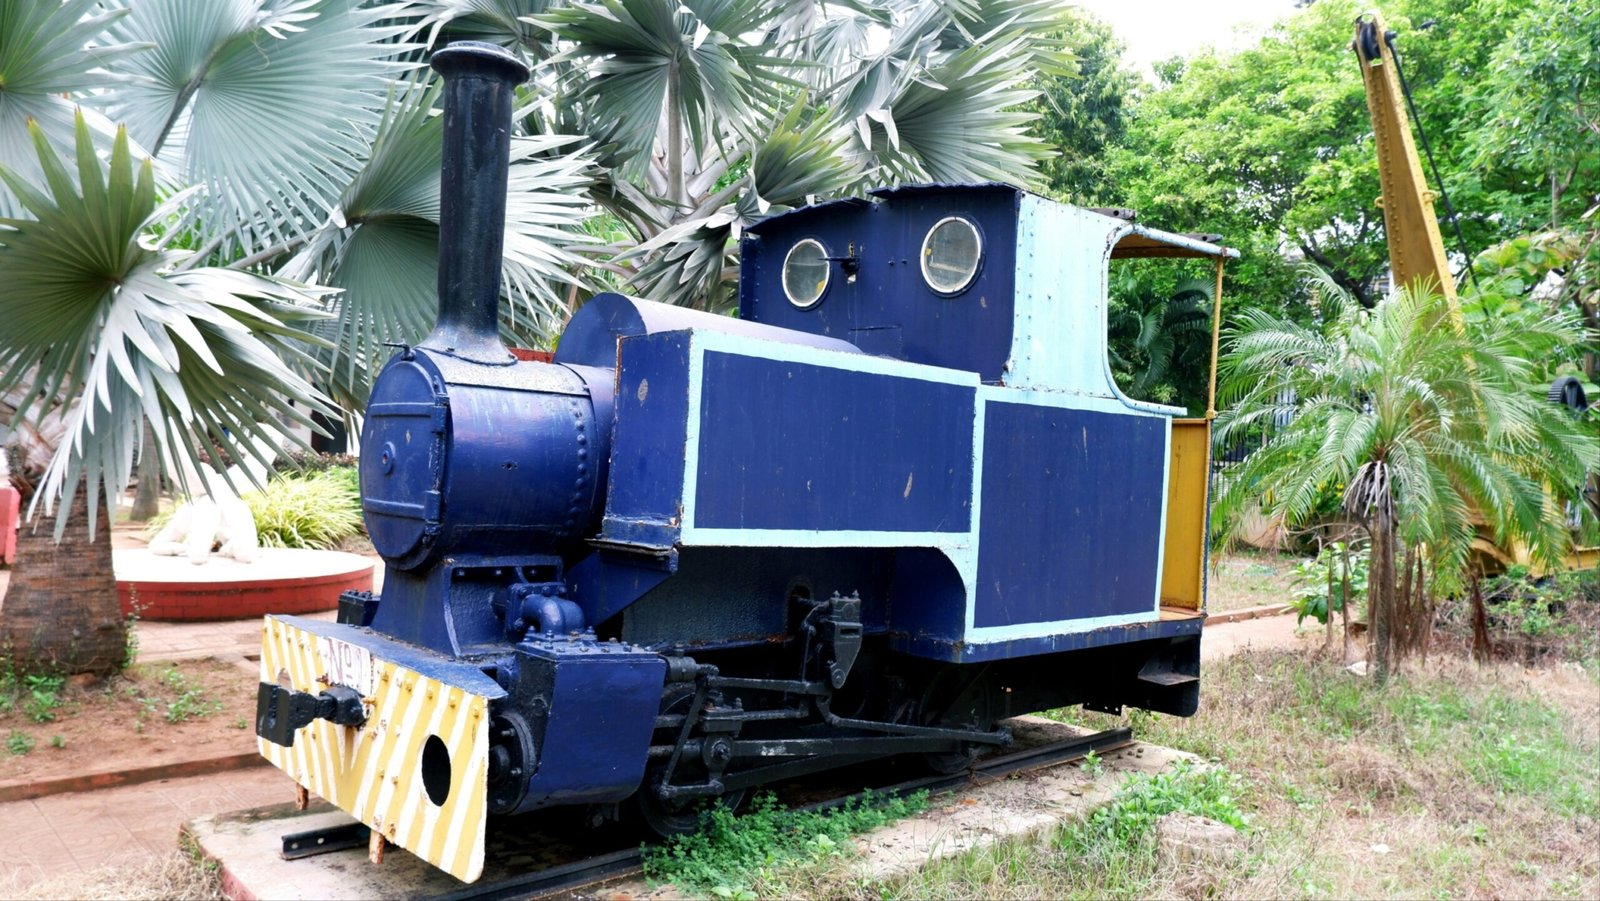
{"type": "Point", "coordinates": [627, 862]}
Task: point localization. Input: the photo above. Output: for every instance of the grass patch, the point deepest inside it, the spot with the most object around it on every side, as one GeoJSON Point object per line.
{"type": "Point", "coordinates": [1507, 740]}
{"type": "Point", "coordinates": [1453, 780]}
{"type": "Point", "coordinates": [733, 853]}
{"type": "Point", "coordinates": [19, 743]}
{"type": "Point", "coordinates": [185, 698]}
{"type": "Point", "coordinates": [1112, 853]}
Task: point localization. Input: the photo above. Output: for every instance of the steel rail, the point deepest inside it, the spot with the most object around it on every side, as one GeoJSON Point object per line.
{"type": "Point", "coordinates": [629, 861]}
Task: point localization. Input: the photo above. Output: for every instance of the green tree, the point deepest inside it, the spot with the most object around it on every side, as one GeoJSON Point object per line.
{"type": "Point", "coordinates": [1083, 112]}
{"type": "Point", "coordinates": [1428, 422]}
{"type": "Point", "coordinates": [1542, 102]}
{"type": "Point", "coordinates": [1272, 146]}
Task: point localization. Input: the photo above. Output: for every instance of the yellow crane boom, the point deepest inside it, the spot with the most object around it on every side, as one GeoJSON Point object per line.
{"type": "Point", "coordinates": [1416, 252]}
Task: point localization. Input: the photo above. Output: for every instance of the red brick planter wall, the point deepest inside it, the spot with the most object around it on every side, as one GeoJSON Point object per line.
{"type": "Point", "coordinates": [178, 590]}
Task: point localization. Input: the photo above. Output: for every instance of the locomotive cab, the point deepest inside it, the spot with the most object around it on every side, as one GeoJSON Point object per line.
{"type": "Point", "coordinates": [897, 500]}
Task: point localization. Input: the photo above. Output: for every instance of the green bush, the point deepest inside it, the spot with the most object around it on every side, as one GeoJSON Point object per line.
{"type": "Point", "coordinates": [731, 852]}
{"type": "Point", "coordinates": [1312, 580]}
{"type": "Point", "coordinates": [307, 510]}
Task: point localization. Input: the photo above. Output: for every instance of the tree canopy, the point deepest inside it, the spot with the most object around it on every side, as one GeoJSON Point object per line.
{"type": "Point", "coordinates": [1271, 146]}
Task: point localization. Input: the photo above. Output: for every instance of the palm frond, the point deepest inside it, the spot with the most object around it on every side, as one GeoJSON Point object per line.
{"type": "Point", "coordinates": [633, 50]}
{"type": "Point", "coordinates": [105, 333]}
{"type": "Point", "coordinates": [965, 122]}
{"type": "Point", "coordinates": [380, 246]}
{"type": "Point", "coordinates": [267, 104]}
{"type": "Point", "coordinates": [45, 58]}
{"type": "Point", "coordinates": [503, 22]}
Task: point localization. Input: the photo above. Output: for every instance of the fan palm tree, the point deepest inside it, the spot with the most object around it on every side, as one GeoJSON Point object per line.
{"type": "Point", "coordinates": [707, 114]}
{"type": "Point", "coordinates": [1427, 423]}
{"type": "Point", "coordinates": [1159, 339]}
{"type": "Point", "coordinates": [146, 266]}
{"type": "Point", "coordinates": [103, 330]}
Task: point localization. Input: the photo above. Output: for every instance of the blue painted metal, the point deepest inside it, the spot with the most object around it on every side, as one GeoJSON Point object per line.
{"type": "Point", "coordinates": [591, 337]}
{"type": "Point", "coordinates": [740, 596]}
{"type": "Point", "coordinates": [1072, 515]}
{"type": "Point", "coordinates": [600, 701]}
{"type": "Point", "coordinates": [608, 581]}
{"type": "Point", "coordinates": [928, 604]}
{"type": "Point", "coordinates": [446, 471]}
{"type": "Point", "coordinates": [887, 308]}
{"type": "Point", "coordinates": [450, 606]}
{"type": "Point", "coordinates": [949, 651]}
{"type": "Point", "coordinates": [648, 444]}
{"type": "Point", "coordinates": [799, 446]}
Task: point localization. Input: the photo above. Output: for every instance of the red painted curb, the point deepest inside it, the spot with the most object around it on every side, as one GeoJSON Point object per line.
{"type": "Point", "coordinates": [176, 600]}
{"type": "Point", "coordinates": [26, 791]}
{"type": "Point", "coordinates": [1236, 616]}
{"type": "Point", "coordinates": [233, 888]}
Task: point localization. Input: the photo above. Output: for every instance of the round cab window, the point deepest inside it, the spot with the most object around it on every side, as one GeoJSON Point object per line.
{"type": "Point", "coordinates": [950, 255]}
{"type": "Point", "coordinates": [805, 273]}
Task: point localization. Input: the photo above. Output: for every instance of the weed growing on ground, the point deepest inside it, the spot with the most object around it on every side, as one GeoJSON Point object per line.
{"type": "Point", "coordinates": [8, 689]}
{"type": "Point", "coordinates": [191, 702]}
{"type": "Point", "coordinates": [130, 633]}
{"type": "Point", "coordinates": [44, 696]}
{"type": "Point", "coordinates": [57, 742]}
{"type": "Point", "coordinates": [1112, 853]}
{"type": "Point", "coordinates": [1130, 817]}
{"type": "Point", "coordinates": [19, 742]}
{"type": "Point", "coordinates": [734, 852]}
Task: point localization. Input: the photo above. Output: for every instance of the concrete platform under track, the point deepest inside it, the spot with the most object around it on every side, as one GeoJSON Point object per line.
{"type": "Point", "coordinates": [248, 844]}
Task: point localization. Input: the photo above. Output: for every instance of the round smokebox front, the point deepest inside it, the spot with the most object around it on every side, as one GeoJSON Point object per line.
{"type": "Point", "coordinates": [403, 461]}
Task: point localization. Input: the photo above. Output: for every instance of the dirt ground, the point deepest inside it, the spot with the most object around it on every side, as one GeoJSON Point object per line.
{"type": "Point", "coordinates": [151, 714]}
{"type": "Point", "coordinates": [1241, 579]}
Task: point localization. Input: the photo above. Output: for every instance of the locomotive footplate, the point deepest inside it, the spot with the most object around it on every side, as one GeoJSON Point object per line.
{"type": "Point", "coordinates": [393, 735]}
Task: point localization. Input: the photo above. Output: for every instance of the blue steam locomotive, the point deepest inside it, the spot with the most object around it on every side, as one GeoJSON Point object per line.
{"type": "Point", "coordinates": [896, 500]}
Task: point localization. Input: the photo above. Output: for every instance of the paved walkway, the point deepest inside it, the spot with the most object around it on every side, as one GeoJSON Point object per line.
{"type": "Point", "coordinates": [1265, 633]}
{"type": "Point", "coordinates": [225, 640]}
{"type": "Point", "coordinates": [117, 826]}
{"type": "Point", "coordinates": [121, 826]}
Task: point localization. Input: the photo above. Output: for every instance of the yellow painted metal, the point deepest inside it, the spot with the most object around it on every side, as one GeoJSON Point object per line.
{"type": "Point", "coordinates": [1183, 552]}
{"type": "Point", "coordinates": [1416, 251]}
{"type": "Point", "coordinates": [374, 772]}
{"type": "Point", "coordinates": [1216, 335]}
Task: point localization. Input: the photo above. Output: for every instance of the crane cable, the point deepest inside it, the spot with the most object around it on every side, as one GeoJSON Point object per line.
{"type": "Point", "coordinates": [1427, 149]}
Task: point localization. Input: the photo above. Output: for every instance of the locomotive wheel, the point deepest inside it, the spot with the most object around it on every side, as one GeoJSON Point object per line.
{"type": "Point", "coordinates": [954, 700]}
{"type": "Point", "coordinates": [666, 818]}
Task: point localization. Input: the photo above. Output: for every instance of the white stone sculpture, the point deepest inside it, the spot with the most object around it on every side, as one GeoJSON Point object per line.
{"type": "Point", "coordinates": [215, 518]}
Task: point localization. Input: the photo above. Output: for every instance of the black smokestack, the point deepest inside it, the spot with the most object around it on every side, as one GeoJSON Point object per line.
{"type": "Point", "coordinates": [479, 82]}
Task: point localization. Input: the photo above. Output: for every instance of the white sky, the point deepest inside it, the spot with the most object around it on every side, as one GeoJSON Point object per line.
{"type": "Point", "coordinates": [1156, 29]}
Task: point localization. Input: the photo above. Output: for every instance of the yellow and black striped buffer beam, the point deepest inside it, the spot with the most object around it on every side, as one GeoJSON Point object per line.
{"type": "Point", "coordinates": [416, 770]}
